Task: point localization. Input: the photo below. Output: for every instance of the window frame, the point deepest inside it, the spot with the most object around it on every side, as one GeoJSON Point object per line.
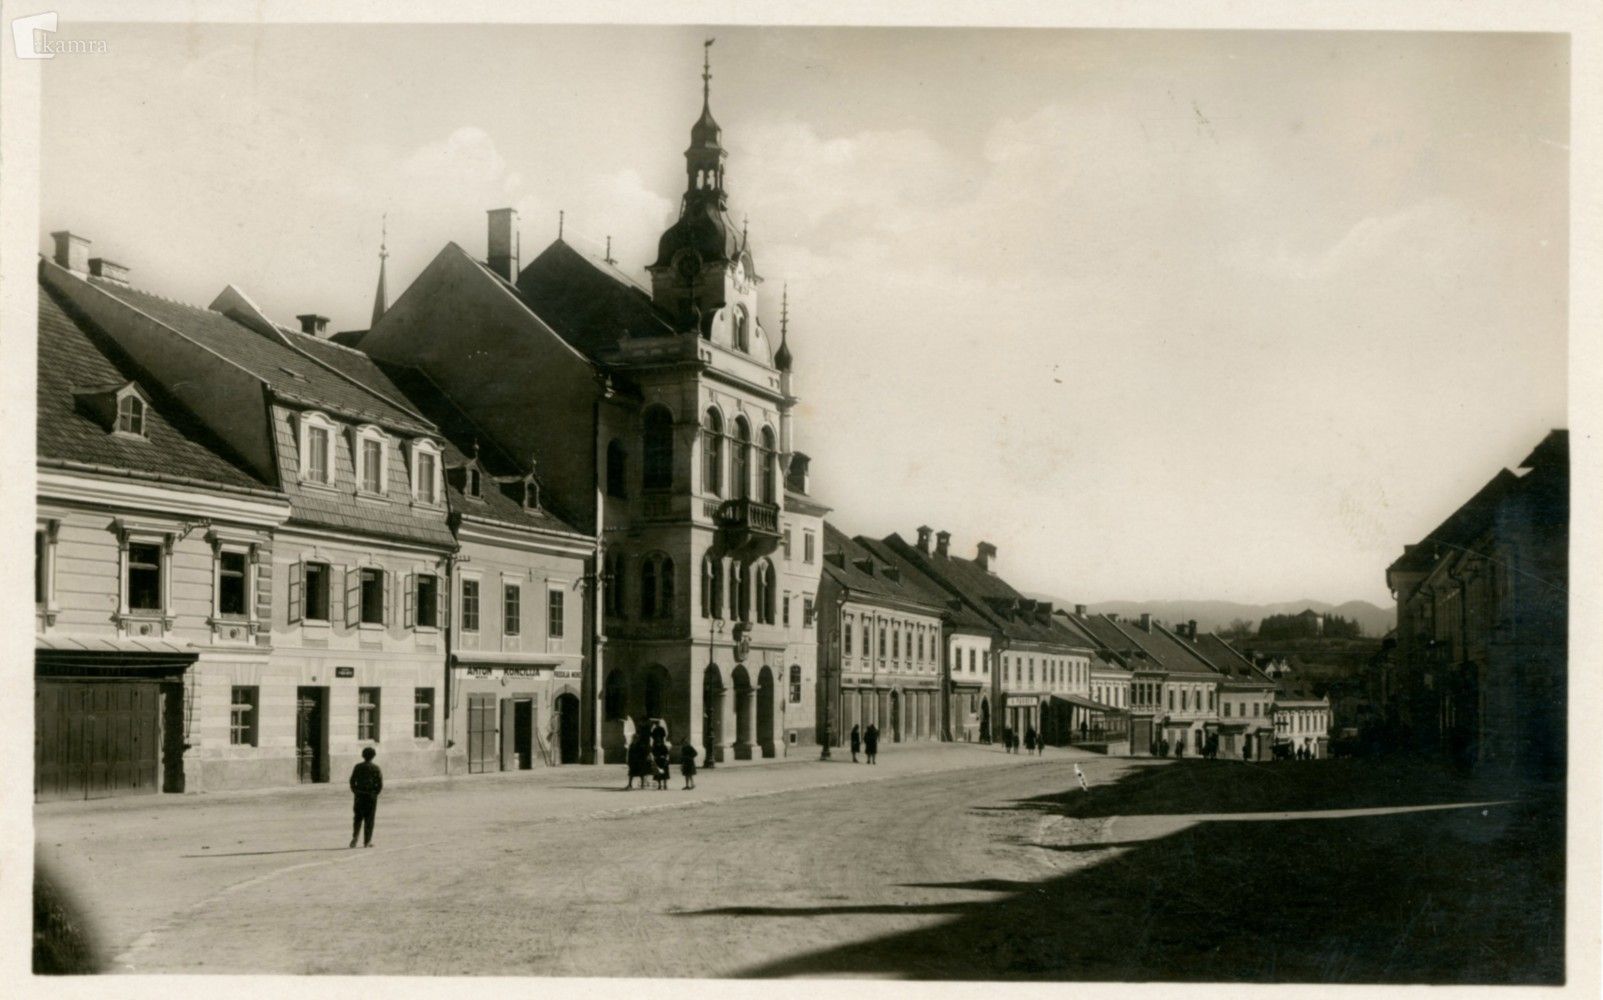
{"type": "Point", "coordinates": [129, 394]}
{"type": "Point", "coordinates": [376, 574]}
{"type": "Point", "coordinates": [712, 451]}
{"type": "Point", "coordinates": [468, 606]}
{"type": "Point", "coordinates": [423, 713]}
{"type": "Point", "coordinates": [556, 612]}
{"type": "Point", "coordinates": [248, 732]}
{"type": "Point", "coordinates": [327, 573]}
{"type": "Point", "coordinates": [418, 450]}
{"type": "Point", "coordinates": [434, 605]}
{"type": "Point", "coordinates": [315, 422]}
{"type": "Point", "coordinates": [511, 608]}
{"type": "Point", "coordinates": [369, 714]}
{"type": "Point", "coordinates": [47, 532]}
{"type": "Point", "coordinates": [361, 437]}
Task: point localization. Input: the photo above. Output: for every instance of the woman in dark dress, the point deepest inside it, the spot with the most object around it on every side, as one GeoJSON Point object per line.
{"type": "Point", "coordinates": [639, 761]}
{"type": "Point", "coordinates": [857, 742]}
{"type": "Point", "coordinates": [687, 764]}
{"type": "Point", "coordinates": [871, 742]}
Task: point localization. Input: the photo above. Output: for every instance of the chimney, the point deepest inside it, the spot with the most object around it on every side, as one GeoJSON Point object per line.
{"type": "Point", "coordinates": [924, 532]}
{"type": "Point", "coordinates": [72, 251]}
{"type": "Point", "coordinates": [504, 243]}
{"type": "Point", "coordinates": [1191, 629]}
{"type": "Point", "coordinates": [107, 270]}
{"type": "Point", "coordinates": [796, 474]}
{"type": "Point", "coordinates": [314, 325]}
{"type": "Point", "coordinates": [1146, 621]}
{"type": "Point", "coordinates": [1079, 609]}
{"type": "Point", "coordinates": [985, 555]}
{"type": "Point", "coordinates": [943, 543]}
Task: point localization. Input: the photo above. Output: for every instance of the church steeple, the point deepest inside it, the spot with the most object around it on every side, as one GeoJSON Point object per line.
{"type": "Point", "coordinates": [704, 160]}
{"type": "Point", "coordinates": [380, 301]}
{"type": "Point", "coordinates": [782, 358]}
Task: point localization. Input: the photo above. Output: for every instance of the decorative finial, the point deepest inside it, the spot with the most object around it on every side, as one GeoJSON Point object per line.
{"type": "Point", "coordinates": [784, 310]}
{"type": "Point", "coordinates": [706, 70]}
{"type": "Point", "coordinates": [561, 220]}
{"type": "Point", "coordinates": [608, 258]}
{"type": "Point", "coordinates": [384, 236]}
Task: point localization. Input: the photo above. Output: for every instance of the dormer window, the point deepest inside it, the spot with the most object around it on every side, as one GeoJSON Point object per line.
{"type": "Point", "coordinates": [317, 448]}
{"type": "Point", "coordinates": [531, 493]}
{"type": "Point", "coordinates": [131, 414]}
{"type": "Point", "coordinates": [425, 472]}
{"type": "Point", "coordinates": [372, 460]}
{"type": "Point", "coordinates": [470, 483]}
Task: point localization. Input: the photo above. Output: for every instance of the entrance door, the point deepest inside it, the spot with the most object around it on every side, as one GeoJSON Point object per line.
{"type": "Point", "coordinates": [567, 740]}
{"type": "Point", "coordinates": [523, 733]}
{"type": "Point", "coordinates": [96, 739]}
{"type": "Point", "coordinates": [481, 733]}
{"type": "Point", "coordinates": [311, 733]}
{"type": "Point", "coordinates": [896, 717]}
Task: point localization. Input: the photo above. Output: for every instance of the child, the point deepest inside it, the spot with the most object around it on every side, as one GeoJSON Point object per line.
{"type": "Point", "coordinates": [659, 760]}
{"type": "Point", "coordinates": [687, 764]}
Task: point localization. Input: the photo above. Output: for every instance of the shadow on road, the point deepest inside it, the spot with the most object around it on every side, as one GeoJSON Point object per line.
{"type": "Point", "coordinates": [1468, 894]}
{"type": "Point", "coordinates": [254, 854]}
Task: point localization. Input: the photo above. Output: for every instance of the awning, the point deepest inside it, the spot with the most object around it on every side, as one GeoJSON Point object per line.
{"type": "Point", "coordinates": [492, 658]}
{"type": "Point", "coordinates": [1233, 728]}
{"type": "Point", "coordinates": [106, 656]}
{"type": "Point", "coordinates": [1080, 701]}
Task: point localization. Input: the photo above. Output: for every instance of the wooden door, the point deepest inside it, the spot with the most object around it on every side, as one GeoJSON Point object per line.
{"type": "Point", "coordinates": [95, 739]}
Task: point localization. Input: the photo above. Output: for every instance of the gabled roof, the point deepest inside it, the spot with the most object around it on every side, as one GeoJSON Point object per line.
{"type": "Point", "coordinates": [1463, 526]}
{"type": "Point", "coordinates": [354, 365]}
{"type": "Point", "coordinates": [290, 374]}
{"type": "Point", "coordinates": [498, 501]}
{"type": "Point", "coordinates": [853, 565]}
{"type": "Point", "coordinates": [1228, 660]}
{"type": "Point", "coordinates": [74, 358]}
{"type": "Point", "coordinates": [988, 595]}
{"type": "Point", "coordinates": [590, 305]}
{"type": "Point", "coordinates": [963, 617]}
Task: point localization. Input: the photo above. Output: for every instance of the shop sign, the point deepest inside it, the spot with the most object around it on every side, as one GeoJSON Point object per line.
{"type": "Point", "coordinates": [344, 671]}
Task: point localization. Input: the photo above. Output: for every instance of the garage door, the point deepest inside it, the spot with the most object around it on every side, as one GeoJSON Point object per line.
{"type": "Point", "coordinates": [95, 739]}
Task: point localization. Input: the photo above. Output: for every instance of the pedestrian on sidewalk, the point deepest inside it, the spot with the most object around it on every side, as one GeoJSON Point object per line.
{"type": "Point", "coordinates": [367, 781]}
{"type": "Point", "coordinates": [687, 764]}
{"type": "Point", "coordinates": [639, 760]}
{"type": "Point", "coordinates": [1029, 739]}
{"type": "Point", "coordinates": [659, 760]}
{"type": "Point", "coordinates": [1040, 745]}
{"type": "Point", "coordinates": [871, 742]}
{"type": "Point", "coordinates": [857, 743]}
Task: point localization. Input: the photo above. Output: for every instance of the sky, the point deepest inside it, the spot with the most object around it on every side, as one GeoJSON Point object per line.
{"type": "Point", "coordinates": [1161, 314]}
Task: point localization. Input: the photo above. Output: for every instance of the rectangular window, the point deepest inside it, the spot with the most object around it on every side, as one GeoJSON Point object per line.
{"type": "Point", "coordinates": [423, 713]}
{"type": "Point", "coordinates": [882, 642]}
{"type": "Point", "coordinates": [372, 597]}
{"type": "Point", "coordinates": [317, 580]}
{"type": "Point", "coordinates": [784, 611]}
{"type": "Point", "coordinates": [372, 462]}
{"type": "Point", "coordinates": [231, 583]}
{"type": "Point", "coordinates": [511, 609]}
{"type": "Point", "coordinates": [807, 612]}
{"type": "Point", "coordinates": [470, 605]}
{"type": "Point", "coordinates": [426, 477]}
{"type": "Point", "coordinates": [787, 543]}
{"type": "Point", "coordinates": [553, 614]}
{"type": "Point", "coordinates": [1171, 699]}
{"type": "Point", "coordinates": [1227, 710]}
{"type": "Point", "coordinates": [428, 600]}
{"type": "Point", "coordinates": [39, 553]}
{"type": "Point", "coordinates": [367, 705]}
{"type": "Point", "coordinates": [317, 454]}
{"type": "Point", "coordinates": [971, 661]}
{"type": "Point", "coordinates": [896, 644]}
{"type": "Point", "coordinates": [242, 716]}
{"type": "Point", "coordinates": [144, 577]}
{"type": "Point", "coordinates": [808, 544]}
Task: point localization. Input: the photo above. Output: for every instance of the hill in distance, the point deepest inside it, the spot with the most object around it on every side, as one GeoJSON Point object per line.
{"type": "Point", "coordinates": [1212, 616]}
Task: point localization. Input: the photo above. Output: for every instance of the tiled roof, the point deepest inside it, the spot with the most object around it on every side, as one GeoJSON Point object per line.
{"type": "Point", "coordinates": [1228, 659]}
{"type": "Point", "coordinates": [963, 617]}
{"type": "Point", "coordinates": [72, 358]}
{"type": "Point", "coordinates": [290, 374]}
{"type": "Point", "coordinates": [462, 437]}
{"type": "Point", "coordinates": [842, 556]}
{"type": "Point", "coordinates": [355, 365]}
{"type": "Point", "coordinates": [990, 596]}
{"type": "Point", "coordinates": [588, 304]}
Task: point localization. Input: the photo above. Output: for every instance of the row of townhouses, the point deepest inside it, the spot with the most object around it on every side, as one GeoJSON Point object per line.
{"type": "Point", "coordinates": [532, 508]}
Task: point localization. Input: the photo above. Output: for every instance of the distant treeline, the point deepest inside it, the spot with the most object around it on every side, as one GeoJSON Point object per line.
{"type": "Point", "coordinates": [1309, 626]}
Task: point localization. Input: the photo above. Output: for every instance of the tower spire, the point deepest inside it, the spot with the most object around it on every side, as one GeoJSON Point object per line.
{"type": "Point", "coordinates": [380, 301]}
{"type": "Point", "coordinates": [782, 358]}
{"type": "Point", "coordinates": [706, 73]}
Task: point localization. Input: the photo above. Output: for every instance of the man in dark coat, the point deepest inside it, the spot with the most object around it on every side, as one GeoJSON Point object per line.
{"type": "Point", "coordinates": [857, 742]}
{"type": "Point", "coordinates": [367, 781]}
{"type": "Point", "coordinates": [687, 764]}
{"type": "Point", "coordinates": [871, 741]}
{"type": "Point", "coordinates": [1029, 739]}
{"type": "Point", "coordinates": [639, 759]}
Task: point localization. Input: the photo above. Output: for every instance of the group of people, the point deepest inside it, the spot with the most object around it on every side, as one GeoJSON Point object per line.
{"type": "Point", "coordinates": [1033, 742]}
{"type": "Point", "coordinates": [647, 757]}
{"type": "Point", "coordinates": [865, 741]}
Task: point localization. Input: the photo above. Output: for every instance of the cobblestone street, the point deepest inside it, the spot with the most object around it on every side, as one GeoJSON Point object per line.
{"type": "Point", "coordinates": [941, 862]}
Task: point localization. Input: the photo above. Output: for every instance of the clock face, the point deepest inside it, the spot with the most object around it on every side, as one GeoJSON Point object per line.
{"type": "Point", "coordinates": [687, 263]}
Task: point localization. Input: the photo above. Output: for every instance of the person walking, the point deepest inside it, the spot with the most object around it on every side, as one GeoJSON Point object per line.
{"type": "Point", "coordinates": [857, 742]}
{"type": "Point", "coordinates": [687, 764]}
{"type": "Point", "coordinates": [367, 781]}
{"type": "Point", "coordinates": [639, 760]}
{"type": "Point", "coordinates": [1040, 744]}
{"type": "Point", "coordinates": [659, 761]}
{"type": "Point", "coordinates": [1029, 739]}
{"type": "Point", "coordinates": [871, 742]}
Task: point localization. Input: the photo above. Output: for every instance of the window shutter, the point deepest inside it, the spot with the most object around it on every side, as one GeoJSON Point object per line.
{"type": "Point", "coordinates": [410, 598]}
{"type": "Point", "coordinates": [297, 588]}
{"type": "Point", "coordinates": [440, 607]}
{"type": "Point", "coordinates": [385, 575]}
{"type": "Point", "coordinates": [353, 595]}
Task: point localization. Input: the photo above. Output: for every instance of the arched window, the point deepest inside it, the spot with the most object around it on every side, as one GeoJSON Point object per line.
{"type": "Point", "coordinates": [770, 488]}
{"type": "Point", "coordinates": [712, 453]}
{"type": "Point", "coordinates": [712, 588]}
{"type": "Point", "coordinates": [656, 472]}
{"type": "Point", "coordinates": [739, 596]}
{"type": "Point", "coordinates": [616, 461]}
{"type": "Point", "coordinates": [795, 683]}
{"type": "Point", "coordinates": [740, 461]}
{"type": "Point", "coordinates": [764, 582]}
{"type": "Point", "coordinates": [648, 588]}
